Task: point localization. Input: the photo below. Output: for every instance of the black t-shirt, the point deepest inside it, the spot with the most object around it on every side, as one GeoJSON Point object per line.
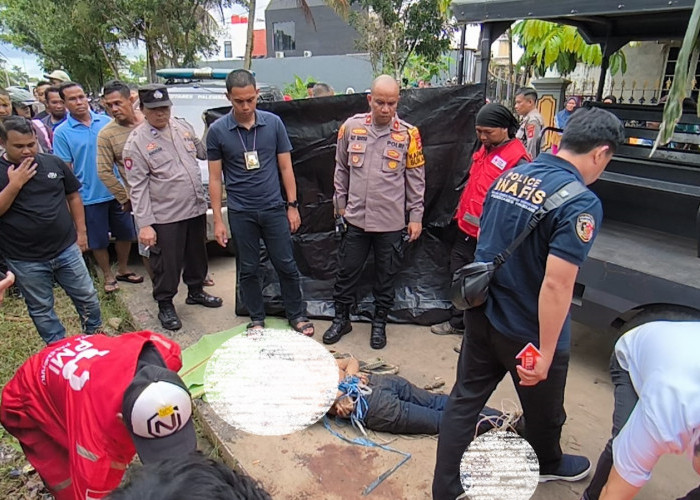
{"type": "Point", "coordinates": [38, 225]}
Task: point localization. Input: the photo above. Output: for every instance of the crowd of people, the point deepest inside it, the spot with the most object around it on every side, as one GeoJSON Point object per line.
{"type": "Point", "coordinates": [84, 405]}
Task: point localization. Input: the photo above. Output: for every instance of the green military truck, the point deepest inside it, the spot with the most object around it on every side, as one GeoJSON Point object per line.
{"type": "Point", "coordinates": [645, 263]}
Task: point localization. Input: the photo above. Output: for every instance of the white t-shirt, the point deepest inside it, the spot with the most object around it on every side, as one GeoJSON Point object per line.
{"type": "Point", "coordinates": [663, 361]}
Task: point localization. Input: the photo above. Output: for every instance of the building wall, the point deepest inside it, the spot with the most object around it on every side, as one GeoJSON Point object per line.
{"type": "Point", "coordinates": [340, 72]}
{"type": "Point", "coordinates": [332, 35]}
{"type": "Point", "coordinates": [645, 67]}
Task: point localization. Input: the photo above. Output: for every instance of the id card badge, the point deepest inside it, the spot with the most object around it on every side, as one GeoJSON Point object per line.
{"type": "Point", "coordinates": [251, 160]}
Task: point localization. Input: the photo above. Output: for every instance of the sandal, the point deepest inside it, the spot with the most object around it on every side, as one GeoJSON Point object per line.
{"type": "Point", "coordinates": [129, 278]}
{"type": "Point", "coordinates": [208, 281]}
{"type": "Point", "coordinates": [379, 367]}
{"type": "Point", "coordinates": [256, 325]}
{"type": "Point", "coordinates": [301, 325]}
{"type": "Point", "coordinates": [111, 286]}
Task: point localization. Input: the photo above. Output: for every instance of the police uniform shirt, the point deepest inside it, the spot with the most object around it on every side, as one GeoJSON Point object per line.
{"type": "Point", "coordinates": [255, 189]}
{"type": "Point", "coordinates": [567, 232]}
{"type": "Point", "coordinates": [379, 175]}
{"type": "Point", "coordinates": [530, 130]}
{"type": "Point", "coordinates": [163, 172]}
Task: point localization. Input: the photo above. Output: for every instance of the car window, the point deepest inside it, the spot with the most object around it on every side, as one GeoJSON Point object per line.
{"type": "Point", "coordinates": [191, 106]}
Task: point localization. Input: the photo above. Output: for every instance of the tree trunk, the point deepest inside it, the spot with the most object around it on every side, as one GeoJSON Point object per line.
{"type": "Point", "coordinates": [110, 63]}
{"type": "Point", "coordinates": [247, 59]}
{"type": "Point", "coordinates": [150, 62]}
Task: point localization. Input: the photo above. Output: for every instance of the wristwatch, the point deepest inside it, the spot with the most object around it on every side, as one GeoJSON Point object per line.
{"type": "Point", "coordinates": [293, 204]}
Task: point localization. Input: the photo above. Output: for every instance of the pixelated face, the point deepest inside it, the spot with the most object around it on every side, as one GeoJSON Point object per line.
{"type": "Point", "coordinates": [244, 101]}
{"type": "Point", "coordinates": [54, 105]}
{"type": "Point", "coordinates": [20, 146]}
{"type": "Point", "coordinates": [5, 105]}
{"type": "Point", "coordinates": [119, 107]}
{"type": "Point", "coordinates": [383, 102]}
{"type": "Point", "coordinates": [41, 93]}
{"type": "Point", "coordinates": [157, 117]}
{"type": "Point", "coordinates": [491, 136]}
{"type": "Point", "coordinates": [523, 105]}
{"type": "Point", "coordinates": [76, 101]}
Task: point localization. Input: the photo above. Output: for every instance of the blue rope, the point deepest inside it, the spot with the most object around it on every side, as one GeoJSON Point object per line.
{"type": "Point", "coordinates": [354, 388]}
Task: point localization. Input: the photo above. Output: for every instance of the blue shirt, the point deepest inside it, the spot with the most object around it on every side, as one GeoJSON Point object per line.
{"type": "Point", "coordinates": [567, 232]}
{"type": "Point", "coordinates": [227, 141]}
{"type": "Point", "coordinates": [75, 143]}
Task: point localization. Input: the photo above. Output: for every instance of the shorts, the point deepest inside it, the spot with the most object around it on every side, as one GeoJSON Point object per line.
{"type": "Point", "coordinates": [103, 219]}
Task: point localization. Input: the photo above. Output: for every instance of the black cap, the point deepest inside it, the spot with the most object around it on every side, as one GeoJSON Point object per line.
{"type": "Point", "coordinates": [157, 411]}
{"type": "Point", "coordinates": [154, 95]}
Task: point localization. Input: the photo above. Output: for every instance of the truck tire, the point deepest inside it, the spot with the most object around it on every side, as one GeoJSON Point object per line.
{"type": "Point", "coordinates": [662, 313]}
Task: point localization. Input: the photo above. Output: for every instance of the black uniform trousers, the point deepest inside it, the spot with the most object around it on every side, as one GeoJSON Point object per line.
{"type": "Point", "coordinates": [352, 255]}
{"type": "Point", "coordinates": [180, 249]}
{"type": "Point", "coordinates": [462, 253]}
{"type": "Point", "coordinates": [486, 356]}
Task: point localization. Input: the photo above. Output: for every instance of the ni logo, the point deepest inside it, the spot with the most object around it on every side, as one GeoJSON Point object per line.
{"type": "Point", "coordinates": [165, 422]}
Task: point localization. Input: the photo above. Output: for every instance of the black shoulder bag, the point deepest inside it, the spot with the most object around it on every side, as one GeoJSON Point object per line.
{"type": "Point", "coordinates": [470, 284]}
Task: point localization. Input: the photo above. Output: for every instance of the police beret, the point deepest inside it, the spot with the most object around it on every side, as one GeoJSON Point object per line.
{"type": "Point", "coordinates": [154, 95]}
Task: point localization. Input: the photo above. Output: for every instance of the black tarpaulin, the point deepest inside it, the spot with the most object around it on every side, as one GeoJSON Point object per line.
{"type": "Point", "coordinates": [445, 117]}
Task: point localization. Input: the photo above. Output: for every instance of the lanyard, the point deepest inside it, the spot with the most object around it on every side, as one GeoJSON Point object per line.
{"type": "Point", "coordinates": [255, 136]}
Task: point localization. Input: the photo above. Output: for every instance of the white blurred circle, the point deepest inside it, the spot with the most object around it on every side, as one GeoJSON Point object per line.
{"type": "Point", "coordinates": [271, 382]}
{"type": "Point", "coordinates": [499, 465]}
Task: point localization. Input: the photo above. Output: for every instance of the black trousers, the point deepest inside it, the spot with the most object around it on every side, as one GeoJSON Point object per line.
{"type": "Point", "coordinates": [352, 255]}
{"type": "Point", "coordinates": [487, 355]}
{"type": "Point", "coordinates": [462, 253]}
{"type": "Point", "coordinates": [181, 249]}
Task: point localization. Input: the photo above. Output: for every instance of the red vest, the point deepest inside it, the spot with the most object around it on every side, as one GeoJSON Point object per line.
{"type": "Point", "coordinates": [62, 406]}
{"type": "Point", "coordinates": [486, 167]}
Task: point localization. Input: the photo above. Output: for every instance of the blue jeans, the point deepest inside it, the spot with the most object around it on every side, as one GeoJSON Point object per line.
{"type": "Point", "coordinates": [397, 406]}
{"type": "Point", "coordinates": [35, 280]}
{"type": "Point", "coordinates": [272, 225]}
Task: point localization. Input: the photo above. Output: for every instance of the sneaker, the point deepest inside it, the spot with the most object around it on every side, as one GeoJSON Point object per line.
{"type": "Point", "coordinates": [571, 468]}
{"type": "Point", "coordinates": [446, 329]}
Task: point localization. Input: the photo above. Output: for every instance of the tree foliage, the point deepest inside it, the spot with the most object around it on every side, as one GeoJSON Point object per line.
{"type": "Point", "coordinates": [683, 76]}
{"type": "Point", "coordinates": [297, 88]}
{"type": "Point", "coordinates": [549, 45]}
{"type": "Point", "coordinates": [84, 36]}
{"type": "Point", "coordinates": [392, 30]}
{"type": "Point", "coordinates": [14, 76]}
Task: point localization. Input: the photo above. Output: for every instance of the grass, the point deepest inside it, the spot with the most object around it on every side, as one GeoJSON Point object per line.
{"type": "Point", "coordinates": [19, 340]}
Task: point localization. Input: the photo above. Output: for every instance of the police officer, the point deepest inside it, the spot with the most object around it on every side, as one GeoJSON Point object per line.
{"type": "Point", "coordinates": [532, 122]}
{"type": "Point", "coordinates": [167, 196]}
{"type": "Point", "coordinates": [379, 185]}
{"type": "Point", "coordinates": [529, 299]}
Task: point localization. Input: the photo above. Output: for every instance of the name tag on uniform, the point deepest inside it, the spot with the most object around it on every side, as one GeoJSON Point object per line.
{"type": "Point", "coordinates": [499, 162]}
{"type": "Point", "coordinates": [251, 160]}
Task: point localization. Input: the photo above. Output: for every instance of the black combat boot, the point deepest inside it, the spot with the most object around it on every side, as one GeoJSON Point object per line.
{"type": "Point", "coordinates": [377, 339]}
{"type": "Point", "coordinates": [340, 326]}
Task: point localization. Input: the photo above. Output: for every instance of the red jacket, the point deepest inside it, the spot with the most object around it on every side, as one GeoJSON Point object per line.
{"type": "Point", "coordinates": [62, 406]}
{"type": "Point", "coordinates": [486, 167]}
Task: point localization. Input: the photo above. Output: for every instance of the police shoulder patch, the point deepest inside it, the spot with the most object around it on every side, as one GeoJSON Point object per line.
{"type": "Point", "coordinates": [585, 227]}
{"type": "Point", "coordinates": [341, 131]}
